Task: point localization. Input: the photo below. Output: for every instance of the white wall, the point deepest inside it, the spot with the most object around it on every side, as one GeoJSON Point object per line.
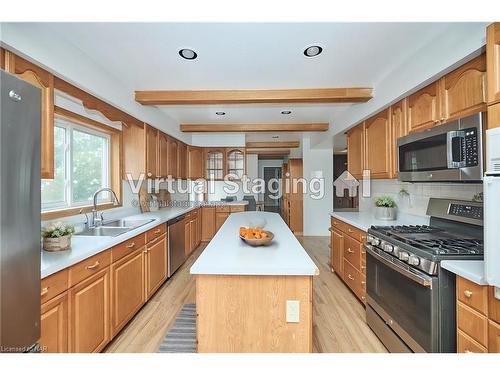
{"type": "Point", "coordinates": [218, 140]}
{"type": "Point", "coordinates": [38, 43]}
{"type": "Point", "coordinates": [420, 193]}
{"type": "Point", "coordinates": [252, 166]}
{"type": "Point", "coordinates": [317, 163]}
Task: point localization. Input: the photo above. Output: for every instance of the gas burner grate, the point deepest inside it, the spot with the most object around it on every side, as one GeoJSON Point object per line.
{"type": "Point", "coordinates": [451, 246]}
{"type": "Point", "coordinates": [407, 229]}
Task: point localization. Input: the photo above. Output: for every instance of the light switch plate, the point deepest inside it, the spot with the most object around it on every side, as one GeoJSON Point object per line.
{"type": "Point", "coordinates": [497, 293]}
{"type": "Point", "coordinates": [292, 311]}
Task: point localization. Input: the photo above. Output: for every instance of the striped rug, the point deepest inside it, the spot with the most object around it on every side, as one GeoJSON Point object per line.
{"type": "Point", "coordinates": [182, 336]}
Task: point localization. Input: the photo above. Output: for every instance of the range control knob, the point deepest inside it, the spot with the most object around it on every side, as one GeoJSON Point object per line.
{"type": "Point", "coordinates": [404, 256]}
{"type": "Point", "coordinates": [388, 248]}
{"type": "Point", "coordinates": [375, 241]}
{"type": "Point", "coordinates": [414, 260]}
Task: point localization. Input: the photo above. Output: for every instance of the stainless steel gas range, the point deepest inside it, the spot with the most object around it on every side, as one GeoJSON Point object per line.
{"type": "Point", "coordinates": [410, 298]}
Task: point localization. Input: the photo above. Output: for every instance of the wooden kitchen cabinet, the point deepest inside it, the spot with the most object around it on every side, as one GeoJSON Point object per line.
{"type": "Point", "coordinates": [214, 160]}
{"type": "Point", "coordinates": [464, 90]}
{"type": "Point", "coordinates": [182, 160]}
{"type": "Point", "coordinates": [45, 82]}
{"type": "Point", "coordinates": [295, 198]}
{"type": "Point", "coordinates": [151, 151]}
{"type": "Point", "coordinates": [220, 218]}
{"type": "Point", "coordinates": [378, 145]}
{"type": "Point", "coordinates": [493, 305]}
{"type": "Point", "coordinates": [337, 251]}
{"type": "Point", "coordinates": [127, 288]}
{"type": "Point", "coordinates": [356, 150]}
{"type": "Point", "coordinates": [494, 116]}
{"type": "Point", "coordinates": [134, 151]}
{"type": "Point", "coordinates": [173, 157]}
{"type": "Point", "coordinates": [424, 108]}
{"type": "Point", "coordinates": [192, 231]}
{"type": "Point", "coordinates": [89, 306]}
{"type": "Point", "coordinates": [494, 337]}
{"type": "Point", "coordinates": [208, 226]}
{"type": "Point", "coordinates": [156, 264]}
{"type": "Point", "coordinates": [163, 170]}
{"type": "Point", "coordinates": [399, 124]}
{"type": "Point", "coordinates": [54, 325]}
{"type": "Point", "coordinates": [235, 162]}
{"type": "Point", "coordinates": [194, 162]}
{"type": "Point", "coordinates": [493, 62]}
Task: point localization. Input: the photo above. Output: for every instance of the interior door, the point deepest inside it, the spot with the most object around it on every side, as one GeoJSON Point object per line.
{"type": "Point", "coordinates": [270, 200]}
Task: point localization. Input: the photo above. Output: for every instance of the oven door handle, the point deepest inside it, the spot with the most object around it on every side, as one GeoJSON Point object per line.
{"type": "Point", "coordinates": [414, 275]}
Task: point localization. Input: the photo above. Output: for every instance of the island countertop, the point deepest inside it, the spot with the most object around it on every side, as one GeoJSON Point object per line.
{"type": "Point", "coordinates": [227, 254]}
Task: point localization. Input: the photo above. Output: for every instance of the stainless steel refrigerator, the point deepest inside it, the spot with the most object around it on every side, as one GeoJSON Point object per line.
{"type": "Point", "coordinates": [20, 114]}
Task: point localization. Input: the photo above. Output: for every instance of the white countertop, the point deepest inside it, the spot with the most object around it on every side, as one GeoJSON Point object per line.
{"type": "Point", "coordinates": [227, 254]}
{"type": "Point", "coordinates": [472, 270]}
{"type": "Point", "coordinates": [83, 247]}
{"type": "Point", "coordinates": [365, 219]}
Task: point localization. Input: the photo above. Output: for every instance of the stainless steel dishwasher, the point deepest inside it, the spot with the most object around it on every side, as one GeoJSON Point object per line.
{"type": "Point", "coordinates": [176, 244]}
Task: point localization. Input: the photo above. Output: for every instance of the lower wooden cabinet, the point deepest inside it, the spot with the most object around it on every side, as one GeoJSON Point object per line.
{"type": "Point", "coordinates": [207, 223]}
{"type": "Point", "coordinates": [54, 325]}
{"type": "Point", "coordinates": [337, 251]}
{"type": "Point", "coordinates": [127, 288]}
{"type": "Point", "coordinates": [465, 344]}
{"type": "Point", "coordinates": [89, 307]}
{"type": "Point", "coordinates": [220, 218]}
{"type": "Point", "coordinates": [494, 337]}
{"type": "Point", "coordinates": [156, 264]}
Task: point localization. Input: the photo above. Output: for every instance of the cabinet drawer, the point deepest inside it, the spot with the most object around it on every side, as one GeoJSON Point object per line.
{"type": "Point", "coordinates": [89, 267]}
{"type": "Point", "coordinates": [222, 209]}
{"type": "Point", "coordinates": [472, 323]}
{"type": "Point", "coordinates": [493, 306]}
{"type": "Point", "coordinates": [473, 295]}
{"type": "Point", "coordinates": [467, 345]}
{"type": "Point", "coordinates": [127, 247]}
{"type": "Point", "coordinates": [156, 232]}
{"type": "Point", "coordinates": [494, 340]}
{"type": "Point", "coordinates": [53, 285]}
{"type": "Point", "coordinates": [339, 225]}
{"type": "Point", "coordinates": [352, 251]}
{"type": "Point", "coordinates": [353, 278]}
{"type": "Point", "coordinates": [237, 208]}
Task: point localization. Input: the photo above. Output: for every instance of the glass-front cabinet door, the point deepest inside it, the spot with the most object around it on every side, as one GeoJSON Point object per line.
{"type": "Point", "coordinates": [214, 164]}
{"type": "Point", "coordinates": [235, 163]}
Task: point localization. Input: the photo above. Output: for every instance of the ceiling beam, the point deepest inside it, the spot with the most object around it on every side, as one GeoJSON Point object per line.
{"type": "Point", "coordinates": [277, 144]}
{"type": "Point", "coordinates": [314, 95]}
{"type": "Point", "coordinates": [243, 128]}
{"type": "Point", "coordinates": [260, 152]}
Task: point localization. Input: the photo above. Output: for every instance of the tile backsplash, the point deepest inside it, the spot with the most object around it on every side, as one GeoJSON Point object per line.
{"type": "Point", "coordinates": [419, 193]}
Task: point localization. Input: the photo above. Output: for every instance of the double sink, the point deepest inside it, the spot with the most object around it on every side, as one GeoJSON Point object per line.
{"type": "Point", "coordinates": [114, 228]}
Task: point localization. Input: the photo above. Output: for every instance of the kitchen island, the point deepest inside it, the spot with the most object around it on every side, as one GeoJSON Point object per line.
{"type": "Point", "coordinates": [254, 299]}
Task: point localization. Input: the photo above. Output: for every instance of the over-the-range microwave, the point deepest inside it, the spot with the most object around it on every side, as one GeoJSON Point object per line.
{"type": "Point", "coordinates": [450, 152]}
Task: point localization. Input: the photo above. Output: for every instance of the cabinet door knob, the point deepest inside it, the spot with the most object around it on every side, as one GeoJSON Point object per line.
{"type": "Point", "coordinates": [468, 293]}
{"type": "Point", "coordinates": [44, 291]}
{"type": "Point", "coordinates": [350, 251]}
{"type": "Point", "coordinates": [93, 266]}
{"type": "Point", "coordinates": [350, 277]}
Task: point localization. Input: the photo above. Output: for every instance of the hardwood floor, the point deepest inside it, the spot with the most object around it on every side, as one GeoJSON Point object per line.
{"type": "Point", "coordinates": [338, 321]}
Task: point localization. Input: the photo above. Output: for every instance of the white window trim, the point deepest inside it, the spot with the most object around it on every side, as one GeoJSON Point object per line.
{"type": "Point", "coordinates": [68, 187]}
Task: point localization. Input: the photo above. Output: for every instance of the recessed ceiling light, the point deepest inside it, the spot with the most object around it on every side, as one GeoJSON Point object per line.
{"type": "Point", "coordinates": [286, 112]}
{"type": "Point", "coordinates": [188, 54]}
{"type": "Point", "coordinates": [276, 136]}
{"type": "Point", "coordinates": [312, 51]}
{"type": "Point", "coordinates": [220, 113]}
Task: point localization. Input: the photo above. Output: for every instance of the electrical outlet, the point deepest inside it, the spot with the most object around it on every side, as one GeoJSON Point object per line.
{"type": "Point", "coordinates": [292, 311]}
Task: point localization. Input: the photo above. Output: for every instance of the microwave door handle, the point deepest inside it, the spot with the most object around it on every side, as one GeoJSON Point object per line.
{"type": "Point", "coordinates": [413, 275]}
{"type": "Point", "coordinates": [451, 147]}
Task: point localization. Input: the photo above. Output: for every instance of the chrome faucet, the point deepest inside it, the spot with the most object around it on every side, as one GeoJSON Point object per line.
{"type": "Point", "coordinates": [95, 220]}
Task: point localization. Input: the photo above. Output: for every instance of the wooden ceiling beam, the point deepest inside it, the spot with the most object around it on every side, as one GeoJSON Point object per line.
{"type": "Point", "coordinates": [313, 95]}
{"type": "Point", "coordinates": [277, 144]}
{"type": "Point", "coordinates": [260, 152]}
{"type": "Point", "coordinates": [244, 128]}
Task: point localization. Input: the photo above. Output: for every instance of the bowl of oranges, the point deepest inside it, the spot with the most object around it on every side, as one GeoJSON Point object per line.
{"type": "Point", "coordinates": [256, 236]}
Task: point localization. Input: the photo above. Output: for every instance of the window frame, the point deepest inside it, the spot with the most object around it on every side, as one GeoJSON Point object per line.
{"type": "Point", "coordinates": [74, 121]}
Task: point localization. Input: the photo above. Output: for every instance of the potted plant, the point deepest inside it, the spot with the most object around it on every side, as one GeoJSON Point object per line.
{"type": "Point", "coordinates": [386, 208]}
{"type": "Point", "coordinates": [57, 236]}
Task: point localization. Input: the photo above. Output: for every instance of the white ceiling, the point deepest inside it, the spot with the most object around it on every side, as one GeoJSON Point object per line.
{"type": "Point", "coordinates": [252, 56]}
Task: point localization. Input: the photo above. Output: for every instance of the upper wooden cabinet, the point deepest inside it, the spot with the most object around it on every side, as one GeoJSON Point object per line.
{"type": "Point", "coordinates": [493, 62]}
{"type": "Point", "coordinates": [182, 160]}
{"type": "Point", "coordinates": [235, 162]}
{"type": "Point", "coordinates": [163, 170]}
{"type": "Point", "coordinates": [172, 157]}
{"type": "Point", "coordinates": [151, 151]}
{"type": "Point", "coordinates": [399, 126]}
{"type": "Point", "coordinates": [2, 58]}
{"type": "Point", "coordinates": [378, 141]}
{"type": "Point", "coordinates": [355, 150]}
{"type": "Point", "coordinates": [45, 82]}
{"type": "Point", "coordinates": [214, 163]}
{"type": "Point", "coordinates": [424, 108]}
{"type": "Point", "coordinates": [464, 90]}
{"type": "Point", "coordinates": [194, 162]}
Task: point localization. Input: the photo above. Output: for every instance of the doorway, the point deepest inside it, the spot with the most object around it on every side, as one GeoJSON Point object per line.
{"type": "Point", "coordinates": [271, 201]}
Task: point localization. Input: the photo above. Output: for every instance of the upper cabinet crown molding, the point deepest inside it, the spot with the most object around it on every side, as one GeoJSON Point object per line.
{"type": "Point", "coordinates": [493, 62]}
{"type": "Point", "coordinates": [313, 95]}
{"type": "Point", "coordinates": [238, 128]}
{"type": "Point", "coordinates": [45, 82]}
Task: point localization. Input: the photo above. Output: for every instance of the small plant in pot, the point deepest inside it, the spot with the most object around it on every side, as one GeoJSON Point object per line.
{"type": "Point", "coordinates": [57, 236]}
{"type": "Point", "coordinates": [386, 208]}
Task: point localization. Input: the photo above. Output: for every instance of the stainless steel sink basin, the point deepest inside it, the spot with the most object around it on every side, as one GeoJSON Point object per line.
{"type": "Point", "coordinates": [127, 223]}
{"type": "Point", "coordinates": [114, 228]}
{"type": "Point", "coordinates": [103, 231]}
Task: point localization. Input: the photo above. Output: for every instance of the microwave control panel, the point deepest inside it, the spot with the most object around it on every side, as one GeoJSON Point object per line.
{"type": "Point", "coordinates": [464, 210]}
{"type": "Point", "coordinates": [471, 148]}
